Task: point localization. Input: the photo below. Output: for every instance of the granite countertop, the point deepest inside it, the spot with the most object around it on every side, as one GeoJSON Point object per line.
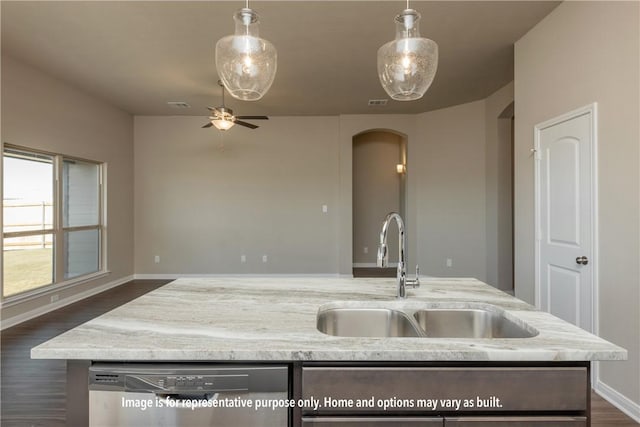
{"type": "Point", "coordinates": [274, 319]}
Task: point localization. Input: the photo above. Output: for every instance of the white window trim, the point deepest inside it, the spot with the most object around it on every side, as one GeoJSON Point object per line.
{"type": "Point", "coordinates": [59, 283]}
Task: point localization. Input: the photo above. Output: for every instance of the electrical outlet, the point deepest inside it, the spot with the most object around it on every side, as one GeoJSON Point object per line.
{"type": "Point", "coordinates": [156, 259]}
{"type": "Point", "coordinates": [243, 258]}
{"type": "Point", "coordinates": [325, 208]}
{"type": "Point", "coordinates": [55, 298]}
{"type": "Point", "coordinates": [264, 258]}
{"type": "Point", "coordinates": [449, 262]}
{"type": "Point", "coordinates": [366, 249]}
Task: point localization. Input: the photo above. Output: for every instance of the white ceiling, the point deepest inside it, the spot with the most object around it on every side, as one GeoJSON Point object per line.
{"type": "Point", "coordinates": [138, 55]}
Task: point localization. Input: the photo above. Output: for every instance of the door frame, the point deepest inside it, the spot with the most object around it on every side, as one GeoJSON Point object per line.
{"type": "Point", "coordinates": [592, 110]}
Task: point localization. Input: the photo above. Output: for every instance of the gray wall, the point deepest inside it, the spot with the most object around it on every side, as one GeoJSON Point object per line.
{"type": "Point", "coordinates": [499, 170]}
{"type": "Point", "coordinates": [586, 52]}
{"type": "Point", "coordinates": [200, 207]}
{"type": "Point", "coordinates": [451, 191]}
{"type": "Point", "coordinates": [44, 113]}
{"type": "Point", "coordinates": [376, 192]}
{"type": "Point", "coordinates": [463, 191]}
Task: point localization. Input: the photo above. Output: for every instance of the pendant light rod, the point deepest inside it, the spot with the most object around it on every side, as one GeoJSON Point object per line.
{"type": "Point", "coordinates": [222, 86]}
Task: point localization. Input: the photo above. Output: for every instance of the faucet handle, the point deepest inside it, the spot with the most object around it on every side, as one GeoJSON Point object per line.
{"type": "Point", "coordinates": [415, 283]}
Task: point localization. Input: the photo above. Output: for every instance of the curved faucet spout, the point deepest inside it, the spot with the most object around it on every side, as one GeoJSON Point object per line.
{"type": "Point", "coordinates": [383, 254]}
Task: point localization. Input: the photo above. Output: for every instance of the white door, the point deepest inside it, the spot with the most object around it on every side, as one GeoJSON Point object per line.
{"type": "Point", "coordinates": [565, 177]}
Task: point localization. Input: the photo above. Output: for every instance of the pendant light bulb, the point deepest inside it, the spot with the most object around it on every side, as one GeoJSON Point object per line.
{"type": "Point", "coordinates": [408, 64]}
{"type": "Point", "coordinates": [245, 62]}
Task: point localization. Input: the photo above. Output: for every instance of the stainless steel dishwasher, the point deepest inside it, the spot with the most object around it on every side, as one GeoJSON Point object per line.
{"type": "Point", "coordinates": [189, 395]}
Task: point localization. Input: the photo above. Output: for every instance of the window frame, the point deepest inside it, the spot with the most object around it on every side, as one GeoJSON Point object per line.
{"type": "Point", "coordinates": [58, 229]}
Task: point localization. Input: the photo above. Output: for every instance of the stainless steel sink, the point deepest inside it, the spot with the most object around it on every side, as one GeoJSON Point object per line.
{"type": "Point", "coordinates": [366, 322]}
{"type": "Point", "coordinates": [469, 323]}
{"type": "Point", "coordinates": [426, 323]}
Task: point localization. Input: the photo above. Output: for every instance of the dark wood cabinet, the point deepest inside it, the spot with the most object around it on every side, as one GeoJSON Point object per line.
{"type": "Point", "coordinates": [515, 422]}
{"type": "Point", "coordinates": [456, 389]}
{"type": "Point", "coordinates": [471, 394]}
{"type": "Point", "coordinates": [372, 421]}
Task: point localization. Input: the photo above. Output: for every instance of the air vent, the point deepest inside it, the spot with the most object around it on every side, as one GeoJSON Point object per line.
{"type": "Point", "coordinates": [377, 102]}
{"type": "Point", "coordinates": [178, 104]}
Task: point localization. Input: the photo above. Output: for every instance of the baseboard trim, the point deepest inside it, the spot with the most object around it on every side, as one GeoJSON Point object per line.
{"type": "Point", "coordinates": [617, 399]}
{"type": "Point", "coordinates": [372, 264]}
{"type": "Point", "coordinates": [47, 308]}
{"type": "Point", "coordinates": [172, 276]}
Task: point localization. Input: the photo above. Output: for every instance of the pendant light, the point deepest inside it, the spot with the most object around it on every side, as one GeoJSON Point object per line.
{"type": "Point", "coordinates": [245, 62]}
{"type": "Point", "coordinates": [408, 64]}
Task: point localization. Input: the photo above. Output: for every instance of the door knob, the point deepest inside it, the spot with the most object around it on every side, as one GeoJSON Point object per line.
{"type": "Point", "coordinates": [582, 260]}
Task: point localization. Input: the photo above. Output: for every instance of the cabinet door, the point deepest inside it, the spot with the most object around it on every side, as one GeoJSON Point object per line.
{"type": "Point", "coordinates": [372, 421]}
{"type": "Point", "coordinates": [414, 389]}
{"type": "Point", "coordinates": [516, 422]}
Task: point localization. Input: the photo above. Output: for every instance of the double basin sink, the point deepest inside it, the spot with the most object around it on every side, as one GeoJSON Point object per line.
{"type": "Point", "coordinates": [433, 322]}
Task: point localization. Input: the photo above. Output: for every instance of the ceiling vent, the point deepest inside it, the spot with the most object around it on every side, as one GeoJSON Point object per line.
{"type": "Point", "coordinates": [377, 102]}
{"type": "Point", "coordinates": [178, 104]}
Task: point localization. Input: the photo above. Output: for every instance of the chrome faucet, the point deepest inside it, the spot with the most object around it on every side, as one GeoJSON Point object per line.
{"type": "Point", "coordinates": [383, 255]}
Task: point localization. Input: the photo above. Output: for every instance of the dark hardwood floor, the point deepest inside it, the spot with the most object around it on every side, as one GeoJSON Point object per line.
{"type": "Point", "coordinates": [34, 391]}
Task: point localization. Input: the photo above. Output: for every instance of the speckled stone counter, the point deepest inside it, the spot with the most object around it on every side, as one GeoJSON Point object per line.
{"type": "Point", "coordinates": [274, 319]}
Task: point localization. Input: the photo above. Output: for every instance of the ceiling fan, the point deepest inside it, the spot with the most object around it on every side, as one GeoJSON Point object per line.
{"type": "Point", "coordinates": [223, 119]}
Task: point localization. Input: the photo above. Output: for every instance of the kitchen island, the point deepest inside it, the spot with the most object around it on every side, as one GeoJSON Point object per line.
{"type": "Point", "coordinates": [273, 320]}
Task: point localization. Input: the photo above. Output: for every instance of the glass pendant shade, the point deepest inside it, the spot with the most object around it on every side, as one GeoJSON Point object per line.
{"type": "Point", "coordinates": [408, 64]}
{"type": "Point", "coordinates": [245, 62]}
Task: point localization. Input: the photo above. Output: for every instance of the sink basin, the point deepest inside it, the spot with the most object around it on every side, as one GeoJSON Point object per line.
{"type": "Point", "coordinates": [433, 322]}
{"type": "Point", "coordinates": [366, 322]}
{"type": "Point", "coordinates": [468, 323]}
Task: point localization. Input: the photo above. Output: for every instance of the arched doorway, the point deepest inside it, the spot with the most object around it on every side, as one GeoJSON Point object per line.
{"type": "Point", "coordinates": [379, 187]}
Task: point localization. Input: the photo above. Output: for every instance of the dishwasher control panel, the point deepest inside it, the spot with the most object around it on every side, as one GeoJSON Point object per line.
{"type": "Point", "coordinates": [179, 383]}
{"type": "Point", "coordinates": [178, 378]}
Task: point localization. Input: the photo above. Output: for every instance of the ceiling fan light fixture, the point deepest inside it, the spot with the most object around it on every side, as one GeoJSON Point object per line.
{"type": "Point", "coordinates": [223, 124]}
{"type": "Point", "coordinates": [246, 63]}
{"type": "Point", "coordinates": [224, 119]}
{"type": "Point", "coordinates": [408, 64]}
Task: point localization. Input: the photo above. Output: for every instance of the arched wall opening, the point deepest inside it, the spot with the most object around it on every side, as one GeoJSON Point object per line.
{"type": "Point", "coordinates": [379, 159]}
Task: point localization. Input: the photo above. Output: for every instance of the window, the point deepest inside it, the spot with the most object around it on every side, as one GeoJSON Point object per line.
{"type": "Point", "coordinates": [52, 220]}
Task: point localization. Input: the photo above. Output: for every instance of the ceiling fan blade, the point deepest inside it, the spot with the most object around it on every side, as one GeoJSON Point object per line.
{"type": "Point", "coordinates": [253, 117]}
{"type": "Point", "coordinates": [245, 124]}
{"type": "Point", "coordinates": [208, 125]}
